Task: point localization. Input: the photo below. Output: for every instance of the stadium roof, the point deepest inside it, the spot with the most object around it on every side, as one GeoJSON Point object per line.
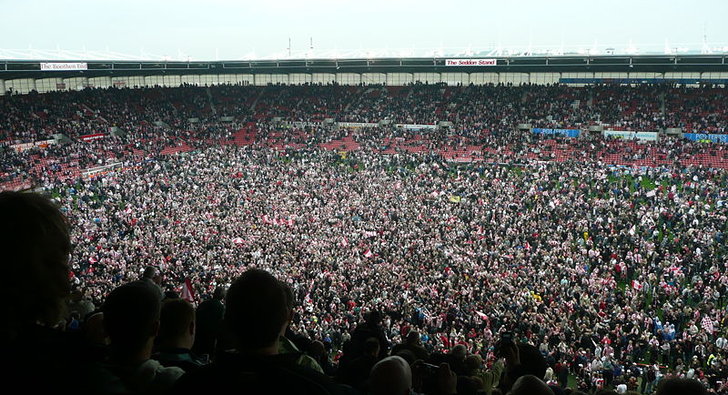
{"type": "Point", "coordinates": [11, 69]}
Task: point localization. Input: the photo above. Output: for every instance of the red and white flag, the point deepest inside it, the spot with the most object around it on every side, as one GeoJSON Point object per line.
{"type": "Point", "coordinates": [707, 324]}
{"type": "Point", "coordinates": [187, 293]}
{"type": "Point", "coordinates": [368, 254]}
{"type": "Point", "coordinates": [368, 234]}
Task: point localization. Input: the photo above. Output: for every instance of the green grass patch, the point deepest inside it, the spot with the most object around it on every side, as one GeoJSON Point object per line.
{"type": "Point", "coordinates": [648, 184]}
{"type": "Point", "coordinates": [621, 285]}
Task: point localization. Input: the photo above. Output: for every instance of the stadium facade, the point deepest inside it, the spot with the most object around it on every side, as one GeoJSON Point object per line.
{"type": "Point", "coordinates": [23, 76]}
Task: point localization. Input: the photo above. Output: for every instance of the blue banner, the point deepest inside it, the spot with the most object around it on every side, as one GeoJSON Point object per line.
{"type": "Point", "coordinates": [563, 132]}
{"type": "Point", "coordinates": [716, 138]}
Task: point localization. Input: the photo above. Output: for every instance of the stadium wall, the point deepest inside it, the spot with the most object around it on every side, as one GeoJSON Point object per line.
{"type": "Point", "coordinates": [43, 85]}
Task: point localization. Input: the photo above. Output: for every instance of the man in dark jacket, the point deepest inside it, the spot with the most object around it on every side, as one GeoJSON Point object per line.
{"type": "Point", "coordinates": [257, 313]}
{"type": "Point", "coordinates": [208, 323]}
{"type": "Point", "coordinates": [176, 335]}
{"type": "Point", "coordinates": [413, 344]}
{"type": "Point", "coordinates": [371, 328]}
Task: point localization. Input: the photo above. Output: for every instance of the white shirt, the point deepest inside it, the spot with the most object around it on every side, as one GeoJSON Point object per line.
{"type": "Point", "coordinates": [721, 343]}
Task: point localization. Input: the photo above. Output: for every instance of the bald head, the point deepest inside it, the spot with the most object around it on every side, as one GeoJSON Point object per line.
{"type": "Point", "coordinates": [391, 376]}
{"type": "Point", "coordinates": [530, 385]}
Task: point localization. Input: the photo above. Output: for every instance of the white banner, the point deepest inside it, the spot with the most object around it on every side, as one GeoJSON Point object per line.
{"type": "Point", "coordinates": [471, 62]}
{"type": "Point", "coordinates": [21, 186]}
{"type": "Point", "coordinates": [63, 66]}
{"type": "Point", "coordinates": [413, 126]}
{"type": "Point", "coordinates": [100, 170]}
{"type": "Point", "coordinates": [357, 125]}
{"type": "Point", "coordinates": [25, 146]}
{"type": "Point", "coordinates": [300, 124]}
{"type": "Point", "coordinates": [94, 136]}
{"type": "Point", "coordinates": [629, 135]}
{"type": "Point", "coordinates": [649, 136]}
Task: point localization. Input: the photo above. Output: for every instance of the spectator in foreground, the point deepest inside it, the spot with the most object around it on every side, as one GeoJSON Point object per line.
{"type": "Point", "coordinates": [34, 239]}
{"type": "Point", "coordinates": [676, 386]}
{"type": "Point", "coordinates": [487, 378]}
{"type": "Point", "coordinates": [530, 385]}
{"type": "Point", "coordinates": [391, 376]}
{"type": "Point", "coordinates": [176, 336]}
{"type": "Point", "coordinates": [256, 315]}
{"type": "Point", "coordinates": [208, 322]}
{"type": "Point", "coordinates": [356, 371]}
{"type": "Point", "coordinates": [36, 245]}
{"type": "Point", "coordinates": [521, 360]}
{"type": "Point", "coordinates": [371, 328]}
{"type": "Point", "coordinates": [413, 344]}
{"type": "Point", "coordinates": [131, 319]}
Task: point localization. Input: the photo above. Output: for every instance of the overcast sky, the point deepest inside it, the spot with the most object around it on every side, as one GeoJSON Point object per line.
{"type": "Point", "coordinates": [227, 29]}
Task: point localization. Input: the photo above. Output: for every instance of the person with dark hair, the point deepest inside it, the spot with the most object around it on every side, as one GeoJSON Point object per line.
{"type": "Point", "coordinates": [34, 240]}
{"type": "Point", "coordinates": [371, 328]}
{"type": "Point", "coordinates": [414, 344]}
{"type": "Point", "coordinates": [456, 359]}
{"type": "Point", "coordinates": [530, 385]}
{"type": "Point", "coordinates": [80, 303]}
{"type": "Point", "coordinates": [355, 372]}
{"type": "Point", "coordinates": [256, 315]}
{"type": "Point", "coordinates": [677, 386]}
{"type": "Point", "coordinates": [208, 322]}
{"type": "Point", "coordinates": [521, 359]}
{"type": "Point", "coordinates": [131, 320]}
{"type": "Point", "coordinates": [317, 351]}
{"type": "Point", "coordinates": [487, 378]}
{"type": "Point", "coordinates": [176, 335]}
{"type": "Point", "coordinates": [391, 376]}
{"type": "Point", "coordinates": [95, 338]}
{"type": "Point", "coordinates": [153, 277]}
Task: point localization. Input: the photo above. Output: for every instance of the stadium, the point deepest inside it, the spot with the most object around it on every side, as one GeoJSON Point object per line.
{"type": "Point", "coordinates": [490, 223]}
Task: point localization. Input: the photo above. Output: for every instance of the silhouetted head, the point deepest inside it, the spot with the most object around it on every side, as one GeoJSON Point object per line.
{"type": "Point", "coordinates": [35, 243]}
{"type": "Point", "coordinates": [532, 361]}
{"type": "Point", "coordinates": [219, 293]}
{"type": "Point", "coordinates": [257, 310]}
{"type": "Point", "coordinates": [391, 376]}
{"type": "Point", "coordinates": [177, 324]}
{"type": "Point", "coordinates": [530, 385]}
{"type": "Point", "coordinates": [681, 387]}
{"type": "Point", "coordinates": [131, 315]}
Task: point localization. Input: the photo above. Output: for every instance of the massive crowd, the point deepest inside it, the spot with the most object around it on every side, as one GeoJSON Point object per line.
{"type": "Point", "coordinates": [586, 262]}
{"type": "Point", "coordinates": [616, 275]}
{"type": "Point", "coordinates": [490, 107]}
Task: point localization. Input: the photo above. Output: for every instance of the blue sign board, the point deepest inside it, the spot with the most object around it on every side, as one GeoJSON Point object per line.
{"type": "Point", "coordinates": [716, 138]}
{"type": "Point", "coordinates": [563, 132]}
